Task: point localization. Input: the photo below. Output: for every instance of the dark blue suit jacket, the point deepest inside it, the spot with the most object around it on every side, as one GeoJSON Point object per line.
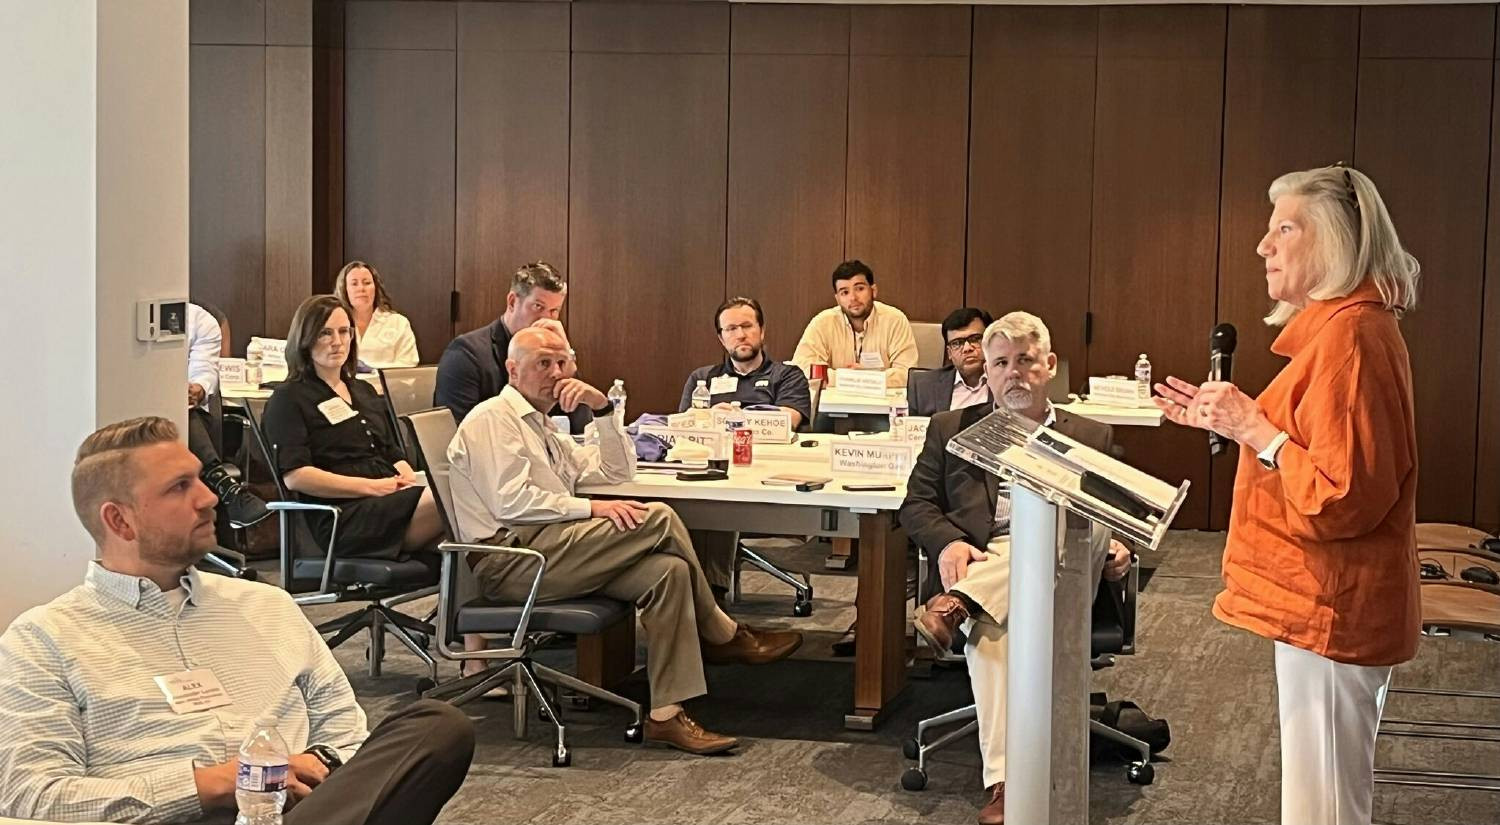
{"type": "Point", "coordinates": [472, 370]}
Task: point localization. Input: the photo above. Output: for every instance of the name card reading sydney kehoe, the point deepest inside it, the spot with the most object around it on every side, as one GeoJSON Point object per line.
{"type": "Point", "coordinates": [887, 459]}
{"type": "Point", "coordinates": [860, 382]}
{"type": "Point", "coordinates": [770, 426]}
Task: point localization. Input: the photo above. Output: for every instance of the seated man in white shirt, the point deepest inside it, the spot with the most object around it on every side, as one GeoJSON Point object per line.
{"type": "Point", "coordinates": [89, 729]}
{"type": "Point", "coordinates": [206, 337]}
{"type": "Point", "coordinates": [515, 483]}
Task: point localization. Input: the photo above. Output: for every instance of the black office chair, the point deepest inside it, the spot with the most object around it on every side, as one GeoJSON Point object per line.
{"type": "Point", "coordinates": [313, 575]}
{"type": "Point", "coordinates": [1113, 632]}
{"type": "Point", "coordinates": [461, 610]}
{"type": "Point", "coordinates": [407, 390]}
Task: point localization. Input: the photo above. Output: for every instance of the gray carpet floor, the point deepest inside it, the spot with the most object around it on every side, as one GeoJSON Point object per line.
{"type": "Point", "coordinates": [797, 764]}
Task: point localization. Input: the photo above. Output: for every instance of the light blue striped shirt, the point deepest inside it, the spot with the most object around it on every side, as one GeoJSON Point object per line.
{"type": "Point", "coordinates": [86, 734]}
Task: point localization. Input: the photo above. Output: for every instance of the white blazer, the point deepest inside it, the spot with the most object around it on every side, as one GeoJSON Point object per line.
{"type": "Point", "coordinates": [388, 341]}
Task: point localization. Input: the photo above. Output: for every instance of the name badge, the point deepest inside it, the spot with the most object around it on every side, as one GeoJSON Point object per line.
{"type": "Point", "coordinates": [722, 384]}
{"type": "Point", "coordinates": [764, 382]}
{"type": "Point", "coordinates": [336, 410]}
{"type": "Point", "coordinates": [871, 361]}
{"type": "Point", "coordinates": [192, 691]}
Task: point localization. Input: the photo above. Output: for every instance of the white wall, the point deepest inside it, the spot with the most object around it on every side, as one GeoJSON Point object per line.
{"type": "Point", "coordinates": [93, 216]}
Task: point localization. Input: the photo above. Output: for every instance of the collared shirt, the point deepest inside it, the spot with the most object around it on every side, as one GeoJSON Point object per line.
{"type": "Point", "coordinates": [1322, 552]}
{"type": "Point", "coordinates": [830, 339]}
{"type": "Point", "coordinates": [388, 341]}
{"type": "Point", "coordinates": [773, 382]}
{"type": "Point", "coordinates": [1002, 501]}
{"type": "Point", "coordinates": [508, 465]}
{"type": "Point", "coordinates": [204, 341]}
{"type": "Point", "coordinates": [85, 733]}
{"type": "Point", "coordinates": [967, 396]}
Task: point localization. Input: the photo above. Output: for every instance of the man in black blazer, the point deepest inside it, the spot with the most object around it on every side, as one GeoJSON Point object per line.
{"type": "Point", "coordinates": [472, 368]}
{"type": "Point", "coordinates": [961, 514]}
{"type": "Point", "coordinates": [960, 383]}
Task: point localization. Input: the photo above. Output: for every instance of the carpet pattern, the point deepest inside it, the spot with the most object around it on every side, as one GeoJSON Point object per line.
{"type": "Point", "coordinates": [796, 763]}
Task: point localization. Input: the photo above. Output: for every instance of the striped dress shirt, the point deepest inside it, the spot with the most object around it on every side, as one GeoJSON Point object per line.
{"type": "Point", "coordinates": [86, 734]}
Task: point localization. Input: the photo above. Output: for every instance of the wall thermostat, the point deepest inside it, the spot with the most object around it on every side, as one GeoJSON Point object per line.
{"type": "Point", "coordinates": [163, 319]}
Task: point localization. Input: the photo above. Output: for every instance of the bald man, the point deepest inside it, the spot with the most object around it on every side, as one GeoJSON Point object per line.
{"type": "Point", "coordinates": [515, 483]}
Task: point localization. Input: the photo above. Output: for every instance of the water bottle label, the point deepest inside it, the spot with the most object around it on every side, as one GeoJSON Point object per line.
{"type": "Point", "coordinates": [261, 778]}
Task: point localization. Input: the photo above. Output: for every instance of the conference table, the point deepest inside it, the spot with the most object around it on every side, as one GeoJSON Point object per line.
{"type": "Point", "coordinates": [743, 504]}
{"type": "Point", "coordinates": [842, 405]}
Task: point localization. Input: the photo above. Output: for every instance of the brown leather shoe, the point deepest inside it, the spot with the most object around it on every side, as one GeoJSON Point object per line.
{"type": "Point", "coordinates": [753, 647]}
{"type": "Point", "coordinates": [994, 812]}
{"type": "Point", "coordinates": [682, 733]}
{"type": "Point", "coordinates": [940, 619]}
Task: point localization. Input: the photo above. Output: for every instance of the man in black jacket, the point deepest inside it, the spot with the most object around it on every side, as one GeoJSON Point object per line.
{"type": "Point", "coordinates": [960, 382]}
{"type": "Point", "coordinates": [961, 514]}
{"type": "Point", "coordinates": [472, 368]}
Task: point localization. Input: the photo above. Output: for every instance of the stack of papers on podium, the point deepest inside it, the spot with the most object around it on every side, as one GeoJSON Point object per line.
{"type": "Point", "coordinates": [1110, 492]}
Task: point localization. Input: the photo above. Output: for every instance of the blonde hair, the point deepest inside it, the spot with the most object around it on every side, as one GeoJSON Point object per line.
{"type": "Point", "coordinates": [1353, 236]}
{"type": "Point", "coordinates": [1019, 326]}
{"type": "Point", "coordinates": [101, 470]}
{"type": "Point", "coordinates": [341, 286]}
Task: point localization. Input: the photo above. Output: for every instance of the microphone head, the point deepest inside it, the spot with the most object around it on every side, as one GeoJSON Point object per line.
{"type": "Point", "coordinates": [1223, 339]}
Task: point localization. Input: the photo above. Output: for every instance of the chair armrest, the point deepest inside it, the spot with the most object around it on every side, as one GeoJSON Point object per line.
{"type": "Point", "coordinates": [284, 507]}
{"type": "Point", "coordinates": [453, 551]}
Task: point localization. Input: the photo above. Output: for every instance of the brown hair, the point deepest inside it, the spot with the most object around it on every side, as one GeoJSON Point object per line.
{"type": "Point", "coordinates": [537, 274]}
{"type": "Point", "coordinates": [101, 470]}
{"type": "Point", "coordinates": [306, 324]}
{"type": "Point", "coordinates": [341, 289]}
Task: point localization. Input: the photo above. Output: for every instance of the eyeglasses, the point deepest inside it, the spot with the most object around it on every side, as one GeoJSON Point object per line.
{"type": "Point", "coordinates": [957, 344]}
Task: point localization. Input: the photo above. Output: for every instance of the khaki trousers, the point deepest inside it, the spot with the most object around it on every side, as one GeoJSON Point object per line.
{"type": "Point", "coordinates": [987, 651]}
{"type": "Point", "coordinates": [652, 566]}
{"type": "Point", "coordinates": [715, 554]}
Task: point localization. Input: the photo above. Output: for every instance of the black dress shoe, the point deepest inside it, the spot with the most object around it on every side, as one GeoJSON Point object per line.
{"type": "Point", "coordinates": [243, 507]}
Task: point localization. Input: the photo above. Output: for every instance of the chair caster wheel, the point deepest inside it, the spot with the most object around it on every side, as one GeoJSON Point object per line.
{"type": "Point", "coordinates": [914, 779]}
{"type": "Point", "coordinates": [910, 749]}
{"type": "Point", "coordinates": [634, 735]}
{"type": "Point", "coordinates": [562, 758]}
{"type": "Point", "coordinates": [250, 575]}
{"type": "Point", "coordinates": [802, 609]}
{"type": "Point", "coordinates": [425, 684]}
{"type": "Point", "coordinates": [1140, 773]}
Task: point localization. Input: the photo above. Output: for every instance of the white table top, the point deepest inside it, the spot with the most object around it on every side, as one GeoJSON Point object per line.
{"type": "Point", "coordinates": [834, 402]}
{"type": "Point", "coordinates": [743, 484]}
{"type": "Point", "coordinates": [1115, 416]}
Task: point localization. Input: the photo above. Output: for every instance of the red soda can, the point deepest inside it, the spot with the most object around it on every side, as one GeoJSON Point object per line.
{"type": "Point", "coordinates": [743, 440]}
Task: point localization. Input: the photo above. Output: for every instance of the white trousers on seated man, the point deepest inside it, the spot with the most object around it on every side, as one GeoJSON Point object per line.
{"type": "Point", "coordinates": [987, 584]}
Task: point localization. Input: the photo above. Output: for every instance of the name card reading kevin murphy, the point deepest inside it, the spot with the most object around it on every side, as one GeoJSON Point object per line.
{"type": "Point", "coordinates": [887, 460]}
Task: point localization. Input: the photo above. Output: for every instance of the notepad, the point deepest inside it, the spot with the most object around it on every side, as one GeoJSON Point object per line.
{"type": "Point", "coordinates": [792, 480]}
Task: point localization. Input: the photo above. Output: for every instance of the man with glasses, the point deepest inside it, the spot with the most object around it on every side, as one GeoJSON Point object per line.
{"type": "Point", "coordinates": [960, 383]}
{"type": "Point", "coordinates": [753, 378]}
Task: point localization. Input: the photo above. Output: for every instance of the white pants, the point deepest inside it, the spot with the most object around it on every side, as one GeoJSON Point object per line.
{"type": "Point", "coordinates": [1330, 713]}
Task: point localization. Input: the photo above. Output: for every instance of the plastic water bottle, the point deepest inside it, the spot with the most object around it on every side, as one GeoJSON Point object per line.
{"type": "Point", "coordinates": [616, 396]}
{"type": "Point", "coordinates": [253, 358]}
{"type": "Point", "coordinates": [1143, 380]}
{"type": "Point", "coordinates": [899, 411]}
{"type": "Point", "coordinates": [260, 786]}
{"type": "Point", "coordinates": [701, 399]}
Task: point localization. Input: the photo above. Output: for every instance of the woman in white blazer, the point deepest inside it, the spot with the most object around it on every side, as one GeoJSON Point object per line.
{"type": "Point", "coordinates": [384, 335]}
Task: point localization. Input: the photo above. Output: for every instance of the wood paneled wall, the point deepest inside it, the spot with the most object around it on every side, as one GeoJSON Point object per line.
{"type": "Point", "coordinates": [1105, 165]}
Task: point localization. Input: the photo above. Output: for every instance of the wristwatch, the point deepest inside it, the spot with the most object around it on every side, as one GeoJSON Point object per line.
{"type": "Point", "coordinates": [607, 409]}
{"type": "Point", "coordinates": [1267, 457]}
{"type": "Point", "coordinates": [328, 756]}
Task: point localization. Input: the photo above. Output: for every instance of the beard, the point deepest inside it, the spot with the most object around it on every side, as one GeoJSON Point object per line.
{"type": "Point", "coordinates": [1018, 397]}
{"type": "Point", "coordinates": [175, 549]}
{"type": "Point", "coordinates": [861, 314]}
{"type": "Point", "coordinates": [752, 354]}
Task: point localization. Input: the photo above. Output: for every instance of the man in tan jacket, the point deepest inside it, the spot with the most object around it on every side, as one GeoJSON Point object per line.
{"type": "Point", "coordinates": [860, 331]}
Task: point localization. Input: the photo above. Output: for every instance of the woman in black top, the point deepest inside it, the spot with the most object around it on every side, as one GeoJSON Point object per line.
{"type": "Point", "coordinates": [331, 442]}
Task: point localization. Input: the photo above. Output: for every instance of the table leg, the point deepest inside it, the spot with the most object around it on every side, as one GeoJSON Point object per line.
{"type": "Point", "coordinates": [841, 557]}
{"type": "Point", "coordinates": [880, 649]}
{"type": "Point", "coordinates": [605, 659]}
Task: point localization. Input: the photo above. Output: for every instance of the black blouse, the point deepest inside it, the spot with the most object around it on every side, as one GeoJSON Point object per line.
{"type": "Point", "coordinates": [301, 434]}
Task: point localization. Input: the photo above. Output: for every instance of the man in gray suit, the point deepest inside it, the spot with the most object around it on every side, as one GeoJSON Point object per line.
{"type": "Point", "coordinates": [959, 512]}
{"type": "Point", "coordinates": [960, 383]}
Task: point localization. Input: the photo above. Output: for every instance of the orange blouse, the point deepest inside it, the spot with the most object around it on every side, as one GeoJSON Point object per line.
{"type": "Point", "coordinates": [1322, 553]}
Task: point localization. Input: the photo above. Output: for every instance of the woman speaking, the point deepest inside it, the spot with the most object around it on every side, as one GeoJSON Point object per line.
{"type": "Point", "coordinates": [1321, 554]}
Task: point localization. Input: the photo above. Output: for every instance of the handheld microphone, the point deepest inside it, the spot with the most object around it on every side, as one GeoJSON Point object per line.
{"type": "Point", "coordinates": [1221, 343]}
